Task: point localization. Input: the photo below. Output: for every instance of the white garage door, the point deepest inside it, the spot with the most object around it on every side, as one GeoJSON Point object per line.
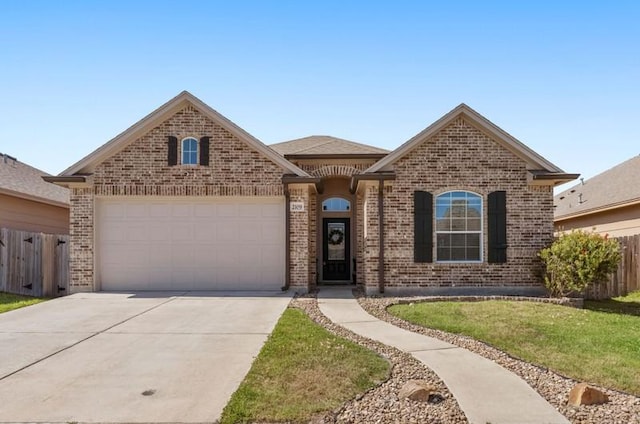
{"type": "Point", "coordinates": [190, 243]}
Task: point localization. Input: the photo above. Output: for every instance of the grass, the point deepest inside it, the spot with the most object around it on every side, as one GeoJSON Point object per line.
{"type": "Point", "coordinates": [9, 302]}
{"type": "Point", "coordinates": [599, 344]}
{"type": "Point", "coordinates": [303, 370]}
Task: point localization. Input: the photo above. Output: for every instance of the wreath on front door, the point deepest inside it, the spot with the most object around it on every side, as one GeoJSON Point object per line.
{"type": "Point", "coordinates": [335, 237]}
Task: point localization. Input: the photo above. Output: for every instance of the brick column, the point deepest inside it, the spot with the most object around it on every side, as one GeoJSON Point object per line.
{"type": "Point", "coordinates": [300, 240]}
{"type": "Point", "coordinates": [81, 240]}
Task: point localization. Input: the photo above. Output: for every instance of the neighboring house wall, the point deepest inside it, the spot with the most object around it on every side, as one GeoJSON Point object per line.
{"type": "Point", "coordinates": [28, 215]}
{"type": "Point", "coordinates": [141, 169]}
{"type": "Point", "coordinates": [619, 222]}
{"type": "Point", "coordinates": [460, 158]}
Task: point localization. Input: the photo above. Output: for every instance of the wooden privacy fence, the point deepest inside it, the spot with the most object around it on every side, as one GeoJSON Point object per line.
{"type": "Point", "coordinates": [625, 279]}
{"type": "Point", "coordinates": [34, 264]}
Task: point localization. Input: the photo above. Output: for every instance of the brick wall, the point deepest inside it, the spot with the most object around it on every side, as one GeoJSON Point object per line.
{"type": "Point", "coordinates": [460, 158]}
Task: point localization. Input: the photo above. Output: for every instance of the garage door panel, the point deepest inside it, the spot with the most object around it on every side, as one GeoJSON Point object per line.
{"type": "Point", "coordinates": [181, 232]}
{"type": "Point", "coordinates": [137, 210]}
{"type": "Point", "coordinates": [227, 210]}
{"type": "Point", "coordinates": [159, 210]}
{"type": "Point", "coordinates": [271, 211]}
{"type": "Point", "coordinates": [181, 210]}
{"type": "Point", "coordinates": [190, 243]}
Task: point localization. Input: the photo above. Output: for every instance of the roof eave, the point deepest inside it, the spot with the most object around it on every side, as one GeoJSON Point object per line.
{"type": "Point", "coordinates": [552, 178]}
{"type": "Point", "coordinates": [619, 205]}
{"type": "Point", "coordinates": [378, 176]}
{"type": "Point", "coordinates": [533, 159]}
{"type": "Point", "coordinates": [34, 198]}
{"type": "Point", "coordinates": [158, 116]}
{"type": "Point", "coordinates": [69, 181]}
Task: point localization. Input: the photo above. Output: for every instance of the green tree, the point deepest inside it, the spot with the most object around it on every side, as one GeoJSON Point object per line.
{"type": "Point", "coordinates": [577, 259]}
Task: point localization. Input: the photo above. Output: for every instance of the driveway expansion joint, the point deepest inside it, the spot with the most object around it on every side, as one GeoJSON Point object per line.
{"type": "Point", "coordinates": [90, 336]}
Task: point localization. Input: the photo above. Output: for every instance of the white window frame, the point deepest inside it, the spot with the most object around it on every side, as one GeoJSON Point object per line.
{"type": "Point", "coordinates": [329, 199]}
{"type": "Point", "coordinates": [183, 151]}
{"type": "Point", "coordinates": [480, 232]}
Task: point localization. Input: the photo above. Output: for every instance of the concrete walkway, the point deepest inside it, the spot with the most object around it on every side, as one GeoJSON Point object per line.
{"type": "Point", "coordinates": [486, 392]}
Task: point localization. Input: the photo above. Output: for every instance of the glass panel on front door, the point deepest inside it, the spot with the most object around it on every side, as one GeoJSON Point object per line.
{"type": "Point", "coordinates": [336, 253]}
{"type": "Point", "coordinates": [335, 241]}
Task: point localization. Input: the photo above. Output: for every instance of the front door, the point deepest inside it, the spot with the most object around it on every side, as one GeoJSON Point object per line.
{"type": "Point", "coordinates": [336, 249]}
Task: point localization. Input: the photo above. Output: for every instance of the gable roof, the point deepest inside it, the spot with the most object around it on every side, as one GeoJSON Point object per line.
{"type": "Point", "coordinates": [164, 112]}
{"type": "Point", "coordinates": [616, 187]}
{"type": "Point", "coordinates": [534, 161]}
{"type": "Point", "coordinates": [325, 145]}
{"type": "Point", "coordinates": [21, 180]}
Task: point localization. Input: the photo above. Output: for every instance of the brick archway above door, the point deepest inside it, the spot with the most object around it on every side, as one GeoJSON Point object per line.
{"type": "Point", "coordinates": [337, 170]}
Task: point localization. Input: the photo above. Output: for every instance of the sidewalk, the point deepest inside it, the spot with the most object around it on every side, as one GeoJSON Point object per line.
{"type": "Point", "coordinates": [486, 392]}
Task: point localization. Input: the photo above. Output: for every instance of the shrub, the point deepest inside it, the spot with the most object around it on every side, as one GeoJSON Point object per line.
{"type": "Point", "coordinates": [577, 259]}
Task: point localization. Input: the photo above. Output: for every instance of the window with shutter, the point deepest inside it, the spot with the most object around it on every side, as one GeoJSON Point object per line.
{"type": "Point", "coordinates": [204, 151]}
{"type": "Point", "coordinates": [172, 154]}
{"type": "Point", "coordinates": [189, 151]}
{"type": "Point", "coordinates": [423, 227]}
{"type": "Point", "coordinates": [497, 227]}
{"type": "Point", "coordinates": [459, 227]}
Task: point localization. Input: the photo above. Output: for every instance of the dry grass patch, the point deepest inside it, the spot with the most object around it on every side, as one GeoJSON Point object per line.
{"type": "Point", "coordinates": [303, 370]}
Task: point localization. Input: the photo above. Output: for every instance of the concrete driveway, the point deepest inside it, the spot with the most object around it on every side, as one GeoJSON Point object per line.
{"type": "Point", "coordinates": [131, 357]}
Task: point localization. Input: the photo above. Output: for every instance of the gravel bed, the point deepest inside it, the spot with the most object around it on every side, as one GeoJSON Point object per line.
{"type": "Point", "coordinates": [622, 408]}
{"type": "Point", "coordinates": [381, 404]}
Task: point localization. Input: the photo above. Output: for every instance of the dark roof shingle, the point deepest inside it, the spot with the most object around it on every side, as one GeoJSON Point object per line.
{"type": "Point", "coordinates": [614, 187]}
{"type": "Point", "coordinates": [20, 178]}
{"type": "Point", "coordinates": [324, 145]}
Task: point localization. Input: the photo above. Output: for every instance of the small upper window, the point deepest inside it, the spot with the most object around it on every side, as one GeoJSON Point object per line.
{"type": "Point", "coordinates": [459, 227]}
{"type": "Point", "coordinates": [336, 204]}
{"type": "Point", "coordinates": [190, 151]}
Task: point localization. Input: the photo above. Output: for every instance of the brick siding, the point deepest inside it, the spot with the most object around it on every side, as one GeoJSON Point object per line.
{"type": "Point", "coordinates": [460, 157]}
{"type": "Point", "coordinates": [141, 169]}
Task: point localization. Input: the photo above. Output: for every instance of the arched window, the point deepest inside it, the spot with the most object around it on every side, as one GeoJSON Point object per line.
{"type": "Point", "coordinates": [189, 151]}
{"type": "Point", "coordinates": [336, 204]}
{"type": "Point", "coordinates": [459, 227]}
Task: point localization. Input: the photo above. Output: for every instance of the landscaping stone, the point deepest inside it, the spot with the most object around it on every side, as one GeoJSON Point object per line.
{"type": "Point", "coordinates": [583, 394]}
{"type": "Point", "coordinates": [418, 390]}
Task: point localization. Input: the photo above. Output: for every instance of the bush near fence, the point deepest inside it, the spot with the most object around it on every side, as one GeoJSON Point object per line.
{"type": "Point", "coordinates": [625, 279]}
{"type": "Point", "coordinates": [34, 264]}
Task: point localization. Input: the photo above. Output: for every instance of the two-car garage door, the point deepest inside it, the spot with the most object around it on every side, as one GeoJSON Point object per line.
{"type": "Point", "coordinates": [221, 243]}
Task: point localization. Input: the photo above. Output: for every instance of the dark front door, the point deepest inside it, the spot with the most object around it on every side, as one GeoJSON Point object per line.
{"type": "Point", "coordinates": [336, 249]}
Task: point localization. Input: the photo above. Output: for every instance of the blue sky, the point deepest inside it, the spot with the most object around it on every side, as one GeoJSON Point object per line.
{"type": "Point", "coordinates": [562, 77]}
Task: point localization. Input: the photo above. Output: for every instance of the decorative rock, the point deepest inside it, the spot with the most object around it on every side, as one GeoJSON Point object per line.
{"type": "Point", "coordinates": [418, 390]}
{"type": "Point", "coordinates": [583, 394]}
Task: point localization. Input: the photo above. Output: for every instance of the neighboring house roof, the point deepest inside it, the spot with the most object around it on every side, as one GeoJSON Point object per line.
{"type": "Point", "coordinates": [616, 187]}
{"type": "Point", "coordinates": [534, 161]}
{"type": "Point", "coordinates": [164, 112]}
{"type": "Point", "coordinates": [21, 180]}
{"type": "Point", "coordinates": [325, 145]}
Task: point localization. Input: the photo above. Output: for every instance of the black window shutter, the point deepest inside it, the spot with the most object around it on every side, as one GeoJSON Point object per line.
{"type": "Point", "coordinates": [172, 158]}
{"type": "Point", "coordinates": [423, 226]}
{"type": "Point", "coordinates": [497, 227]}
{"type": "Point", "coordinates": [204, 151]}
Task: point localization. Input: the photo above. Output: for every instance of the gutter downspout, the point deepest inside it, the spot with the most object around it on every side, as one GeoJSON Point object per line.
{"type": "Point", "coordinates": [287, 238]}
{"type": "Point", "coordinates": [381, 236]}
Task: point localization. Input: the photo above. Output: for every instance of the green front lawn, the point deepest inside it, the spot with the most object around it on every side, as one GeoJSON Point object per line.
{"type": "Point", "coordinates": [303, 370]}
{"type": "Point", "coordinates": [599, 344]}
{"type": "Point", "coordinates": [10, 301]}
